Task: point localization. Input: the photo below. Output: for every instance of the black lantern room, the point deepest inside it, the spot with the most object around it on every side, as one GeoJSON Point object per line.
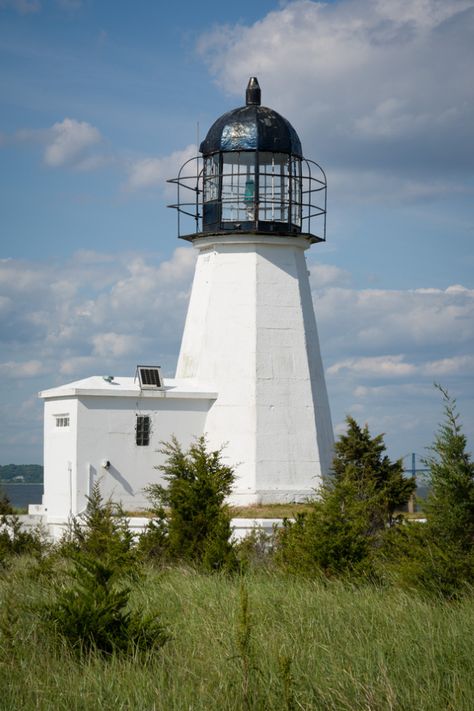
{"type": "Point", "coordinates": [252, 178]}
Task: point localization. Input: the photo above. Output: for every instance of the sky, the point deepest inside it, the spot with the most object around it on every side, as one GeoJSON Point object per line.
{"type": "Point", "coordinates": [101, 102]}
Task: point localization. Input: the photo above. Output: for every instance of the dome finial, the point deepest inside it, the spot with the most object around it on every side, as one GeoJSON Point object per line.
{"type": "Point", "coordinates": [253, 93]}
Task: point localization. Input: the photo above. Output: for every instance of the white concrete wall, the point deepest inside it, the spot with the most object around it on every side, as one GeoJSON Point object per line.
{"type": "Point", "coordinates": [251, 330]}
{"type": "Point", "coordinates": [294, 428]}
{"type": "Point", "coordinates": [218, 345]}
{"type": "Point", "coordinates": [60, 455]}
{"type": "Point", "coordinates": [105, 429]}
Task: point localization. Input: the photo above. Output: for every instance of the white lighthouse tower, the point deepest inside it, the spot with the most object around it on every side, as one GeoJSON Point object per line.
{"type": "Point", "coordinates": [250, 328]}
{"type": "Point", "coordinates": [249, 372]}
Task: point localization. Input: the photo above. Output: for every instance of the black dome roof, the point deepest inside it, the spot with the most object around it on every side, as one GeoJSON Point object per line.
{"type": "Point", "coordinates": [252, 128]}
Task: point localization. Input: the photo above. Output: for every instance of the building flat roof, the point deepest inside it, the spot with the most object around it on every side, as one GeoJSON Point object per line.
{"type": "Point", "coordinates": [101, 386]}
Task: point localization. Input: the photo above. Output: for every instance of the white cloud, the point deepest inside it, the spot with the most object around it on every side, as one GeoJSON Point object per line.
{"type": "Point", "coordinates": [97, 311]}
{"type": "Point", "coordinates": [79, 145]}
{"type": "Point", "coordinates": [360, 79]}
{"type": "Point", "coordinates": [457, 365]}
{"type": "Point", "coordinates": [323, 275]}
{"type": "Point", "coordinates": [151, 172]}
{"type": "Point", "coordinates": [26, 369]}
{"type": "Point", "coordinates": [376, 366]}
{"type": "Point", "coordinates": [114, 345]}
{"type": "Point", "coordinates": [390, 366]}
{"type": "Point", "coordinates": [115, 306]}
{"type": "Point", "coordinates": [392, 389]}
{"type": "Point", "coordinates": [69, 145]}
{"type": "Point", "coordinates": [411, 320]}
{"type": "Point", "coordinates": [80, 365]}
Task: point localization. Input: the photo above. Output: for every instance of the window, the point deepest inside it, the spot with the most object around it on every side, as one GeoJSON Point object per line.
{"type": "Point", "coordinates": [62, 420]}
{"type": "Point", "coordinates": [142, 431]}
{"type": "Point", "coordinates": [211, 178]}
{"type": "Point", "coordinates": [238, 187]}
{"type": "Point", "coordinates": [274, 193]}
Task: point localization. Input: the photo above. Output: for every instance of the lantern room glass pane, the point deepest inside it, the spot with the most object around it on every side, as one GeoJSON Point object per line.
{"type": "Point", "coordinates": [296, 192]}
{"type": "Point", "coordinates": [238, 186]}
{"type": "Point", "coordinates": [274, 187]}
{"type": "Point", "coordinates": [211, 178]}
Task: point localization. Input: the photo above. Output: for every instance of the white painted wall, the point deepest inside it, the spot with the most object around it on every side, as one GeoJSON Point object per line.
{"type": "Point", "coordinates": [60, 457]}
{"type": "Point", "coordinates": [107, 432]}
{"type": "Point", "coordinates": [251, 333]}
{"type": "Point", "coordinates": [102, 428]}
{"type": "Point", "coordinates": [251, 329]}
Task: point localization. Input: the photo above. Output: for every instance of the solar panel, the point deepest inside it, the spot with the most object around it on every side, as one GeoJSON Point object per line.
{"type": "Point", "coordinates": [149, 376]}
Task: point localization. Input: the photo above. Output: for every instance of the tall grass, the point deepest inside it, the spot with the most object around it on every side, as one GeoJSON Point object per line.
{"type": "Point", "coordinates": [307, 645]}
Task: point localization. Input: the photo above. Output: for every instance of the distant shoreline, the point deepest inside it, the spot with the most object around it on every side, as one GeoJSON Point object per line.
{"type": "Point", "coordinates": [20, 483]}
{"type": "Point", "coordinates": [21, 474]}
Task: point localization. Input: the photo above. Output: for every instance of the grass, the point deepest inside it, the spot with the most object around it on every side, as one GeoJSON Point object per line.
{"type": "Point", "coordinates": [309, 645]}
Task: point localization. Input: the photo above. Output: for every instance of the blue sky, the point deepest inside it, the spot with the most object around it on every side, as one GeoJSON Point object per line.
{"type": "Point", "coordinates": [100, 102]}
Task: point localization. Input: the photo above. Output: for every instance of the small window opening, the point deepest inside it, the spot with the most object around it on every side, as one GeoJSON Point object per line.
{"type": "Point", "coordinates": [142, 431]}
{"type": "Point", "coordinates": [62, 420]}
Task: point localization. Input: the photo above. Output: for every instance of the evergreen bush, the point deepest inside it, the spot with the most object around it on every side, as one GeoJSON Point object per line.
{"type": "Point", "coordinates": [93, 614]}
{"type": "Point", "coordinates": [91, 606]}
{"type": "Point", "coordinates": [450, 505]}
{"type": "Point", "coordinates": [347, 523]}
{"type": "Point", "coordinates": [438, 556]}
{"type": "Point", "coordinates": [191, 520]}
{"type": "Point", "coordinates": [102, 532]}
{"type": "Point", "coordinates": [16, 539]}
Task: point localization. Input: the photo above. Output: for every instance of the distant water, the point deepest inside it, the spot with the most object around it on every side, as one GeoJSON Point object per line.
{"type": "Point", "coordinates": [21, 495]}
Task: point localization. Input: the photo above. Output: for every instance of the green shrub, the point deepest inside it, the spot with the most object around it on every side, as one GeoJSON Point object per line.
{"type": "Point", "coordinates": [5, 505]}
{"type": "Point", "coordinates": [450, 505]}
{"type": "Point", "coordinates": [15, 538]}
{"type": "Point", "coordinates": [93, 615]}
{"type": "Point", "coordinates": [102, 532]}
{"type": "Point", "coordinates": [191, 520]}
{"type": "Point", "coordinates": [437, 557]}
{"type": "Point", "coordinates": [90, 610]}
{"type": "Point", "coordinates": [347, 524]}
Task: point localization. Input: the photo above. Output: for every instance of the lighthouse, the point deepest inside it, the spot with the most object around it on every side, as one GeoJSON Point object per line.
{"type": "Point", "coordinates": [256, 206]}
{"type": "Point", "coordinates": [249, 373]}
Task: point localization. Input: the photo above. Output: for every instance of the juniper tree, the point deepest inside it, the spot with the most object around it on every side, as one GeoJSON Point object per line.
{"type": "Point", "coordinates": [192, 522]}
{"type": "Point", "coordinates": [438, 556]}
{"type": "Point", "coordinates": [93, 614]}
{"type": "Point", "coordinates": [91, 608]}
{"type": "Point", "coordinates": [16, 539]}
{"type": "Point", "coordinates": [102, 532]}
{"type": "Point", "coordinates": [356, 505]}
{"type": "Point", "coordinates": [445, 561]}
{"type": "Point", "coordinates": [361, 464]}
{"type": "Point", "coordinates": [450, 505]}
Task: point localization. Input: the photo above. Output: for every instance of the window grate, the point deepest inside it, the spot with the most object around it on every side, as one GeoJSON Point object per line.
{"type": "Point", "coordinates": [62, 420]}
{"type": "Point", "coordinates": [142, 431]}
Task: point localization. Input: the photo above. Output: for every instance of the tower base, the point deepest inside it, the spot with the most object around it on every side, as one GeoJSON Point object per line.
{"type": "Point", "coordinates": [251, 332]}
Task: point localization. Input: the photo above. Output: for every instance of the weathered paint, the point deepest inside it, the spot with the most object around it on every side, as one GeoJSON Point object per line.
{"type": "Point", "coordinates": [251, 329]}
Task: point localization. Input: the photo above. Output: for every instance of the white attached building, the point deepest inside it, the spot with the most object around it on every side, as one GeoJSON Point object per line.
{"type": "Point", "coordinates": [249, 372]}
{"type": "Point", "coordinates": [111, 429]}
